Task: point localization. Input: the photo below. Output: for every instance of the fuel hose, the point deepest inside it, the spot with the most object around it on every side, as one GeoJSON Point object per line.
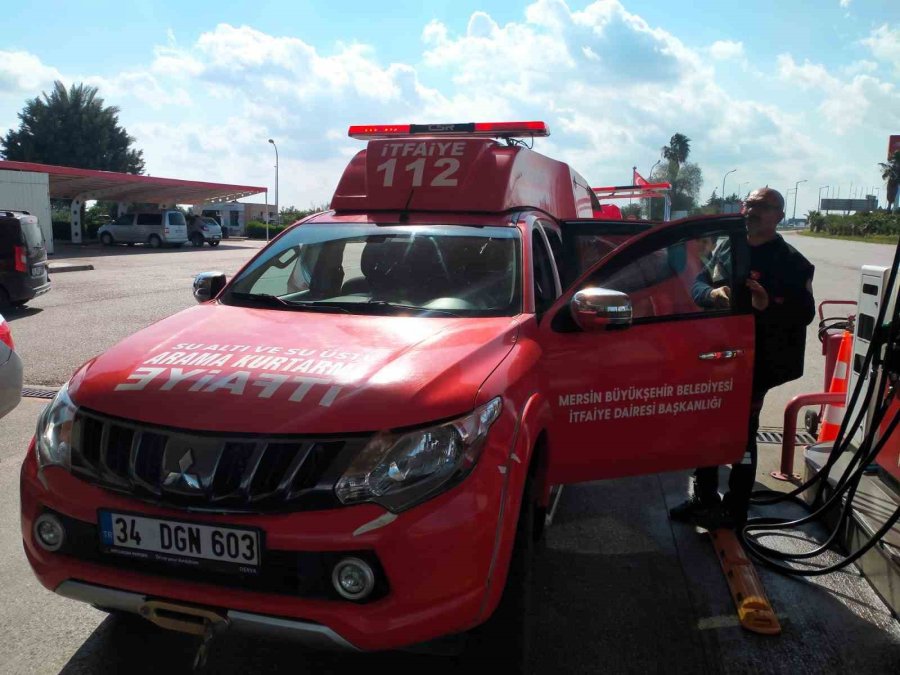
{"type": "Point", "coordinates": [845, 489]}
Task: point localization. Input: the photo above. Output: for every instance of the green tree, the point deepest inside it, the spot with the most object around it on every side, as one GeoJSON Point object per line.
{"type": "Point", "coordinates": [890, 171]}
{"type": "Point", "coordinates": [291, 214]}
{"type": "Point", "coordinates": [685, 188]}
{"type": "Point", "coordinates": [676, 154]}
{"type": "Point", "coordinates": [72, 128]}
{"type": "Point", "coordinates": [631, 210]}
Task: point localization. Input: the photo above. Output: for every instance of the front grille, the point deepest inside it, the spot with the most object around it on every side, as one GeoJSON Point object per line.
{"type": "Point", "coordinates": [210, 471]}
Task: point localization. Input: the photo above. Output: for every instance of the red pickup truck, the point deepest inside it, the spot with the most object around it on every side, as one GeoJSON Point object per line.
{"type": "Point", "coordinates": [355, 440]}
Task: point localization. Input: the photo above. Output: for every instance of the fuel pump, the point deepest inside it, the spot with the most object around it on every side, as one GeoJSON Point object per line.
{"type": "Point", "coordinates": [873, 413]}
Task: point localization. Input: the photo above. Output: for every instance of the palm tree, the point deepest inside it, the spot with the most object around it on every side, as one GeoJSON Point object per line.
{"type": "Point", "coordinates": [72, 127]}
{"type": "Point", "coordinates": [676, 153]}
{"type": "Point", "coordinates": [890, 171]}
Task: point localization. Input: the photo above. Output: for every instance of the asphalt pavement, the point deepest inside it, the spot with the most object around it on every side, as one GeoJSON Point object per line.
{"type": "Point", "coordinates": [620, 589]}
{"type": "Point", "coordinates": [88, 311]}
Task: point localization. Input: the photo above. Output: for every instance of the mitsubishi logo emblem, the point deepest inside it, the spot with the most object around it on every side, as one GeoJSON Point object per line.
{"type": "Point", "coordinates": [189, 479]}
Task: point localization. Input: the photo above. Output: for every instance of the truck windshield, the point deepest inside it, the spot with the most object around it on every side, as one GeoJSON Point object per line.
{"type": "Point", "coordinates": [434, 270]}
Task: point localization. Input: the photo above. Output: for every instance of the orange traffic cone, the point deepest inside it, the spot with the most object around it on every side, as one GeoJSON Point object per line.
{"type": "Point", "coordinates": [834, 412]}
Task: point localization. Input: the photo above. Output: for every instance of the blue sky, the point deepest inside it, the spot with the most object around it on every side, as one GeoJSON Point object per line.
{"type": "Point", "coordinates": [777, 90]}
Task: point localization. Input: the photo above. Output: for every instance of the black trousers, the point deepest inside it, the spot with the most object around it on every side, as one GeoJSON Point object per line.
{"type": "Point", "coordinates": [743, 473]}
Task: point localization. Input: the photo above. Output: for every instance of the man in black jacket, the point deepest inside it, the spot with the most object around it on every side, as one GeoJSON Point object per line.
{"type": "Point", "coordinates": [780, 285]}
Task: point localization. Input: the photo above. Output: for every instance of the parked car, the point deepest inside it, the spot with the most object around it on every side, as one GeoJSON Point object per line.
{"type": "Point", "coordinates": [23, 259]}
{"type": "Point", "coordinates": [203, 229]}
{"type": "Point", "coordinates": [10, 370]}
{"type": "Point", "coordinates": [155, 228]}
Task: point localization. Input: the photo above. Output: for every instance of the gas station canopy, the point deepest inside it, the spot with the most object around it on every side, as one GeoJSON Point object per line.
{"type": "Point", "coordinates": [70, 183]}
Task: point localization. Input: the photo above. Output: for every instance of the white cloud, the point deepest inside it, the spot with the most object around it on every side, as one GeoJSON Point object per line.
{"type": "Point", "coordinates": [845, 3]}
{"type": "Point", "coordinates": [726, 49]}
{"type": "Point", "coordinates": [22, 73]}
{"type": "Point", "coordinates": [612, 87]}
{"type": "Point", "coordinates": [847, 104]}
{"type": "Point", "coordinates": [884, 43]}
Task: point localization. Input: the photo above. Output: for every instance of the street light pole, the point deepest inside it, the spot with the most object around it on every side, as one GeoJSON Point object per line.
{"type": "Point", "coordinates": [723, 188]}
{"type": "Point", "coordinates": [796, 190]}
{"type": "Point", "coordinates": [277, 213]}
{"type": "Point", "coordinates": [824, 187]}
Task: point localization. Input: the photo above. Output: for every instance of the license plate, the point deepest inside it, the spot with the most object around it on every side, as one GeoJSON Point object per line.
{"type": "Point", "coordinates": [37, 271]}
{"type": "Point", "coordinates": [214, 547]}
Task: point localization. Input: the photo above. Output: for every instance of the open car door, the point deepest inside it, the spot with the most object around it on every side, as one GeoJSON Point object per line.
{"type": "Point", "coordinates": [643, 373]}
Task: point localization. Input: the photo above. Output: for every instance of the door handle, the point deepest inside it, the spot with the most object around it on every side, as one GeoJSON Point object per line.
{"type": "Point", "coordinates": [722, 355]}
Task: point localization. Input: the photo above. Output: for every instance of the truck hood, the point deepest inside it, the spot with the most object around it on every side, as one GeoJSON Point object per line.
{"type": "Point", "coordinates": [219, 368]}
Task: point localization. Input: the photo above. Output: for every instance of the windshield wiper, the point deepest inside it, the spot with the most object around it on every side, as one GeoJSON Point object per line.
{"type": "Point", "coordinates": [274, 301]}
{"type": "Point", "coordinates": [261, 298]}
{"type": "Point", "coordinates": [325, 305]}
{"type": "Point", "coordinates": [384, 304]}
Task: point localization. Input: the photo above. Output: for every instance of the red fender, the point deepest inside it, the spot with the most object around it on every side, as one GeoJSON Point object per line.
{"type": "Point", "coordinates": [533, 421]}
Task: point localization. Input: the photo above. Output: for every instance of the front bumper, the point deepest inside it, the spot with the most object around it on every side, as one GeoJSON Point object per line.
{"type": "Point", "coordinates": [309, 634]}
{"type": "Point", "coordinates": [436, 557]}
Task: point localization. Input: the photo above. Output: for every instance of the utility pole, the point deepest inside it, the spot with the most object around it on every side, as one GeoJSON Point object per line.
{"type": "Point", "coordinates": [796, 190]}
{"type": "Point", "coordinates": [723, 188]}
{"type": "Point", "coordinates": [824, 187]}
{"type": "Point", "coordinates": [277, 212]}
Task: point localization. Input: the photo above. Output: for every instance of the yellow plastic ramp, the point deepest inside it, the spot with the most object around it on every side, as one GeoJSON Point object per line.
{"type": "Point", "coordinates": [753, 608]}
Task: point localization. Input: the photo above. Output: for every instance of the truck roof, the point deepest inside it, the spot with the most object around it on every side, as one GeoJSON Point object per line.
{"type": "Point", "coordinates": [459, 172]}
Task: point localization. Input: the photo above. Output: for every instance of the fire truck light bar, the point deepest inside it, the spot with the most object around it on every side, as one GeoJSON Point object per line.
{"type": "Point", "coordinates": [480, 129]}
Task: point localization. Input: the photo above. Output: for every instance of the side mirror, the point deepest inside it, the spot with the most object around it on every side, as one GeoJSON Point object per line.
{"type": "Point", "coordinates": [599, 309]}
{"type": "Point", "coordinates": [207, 285]}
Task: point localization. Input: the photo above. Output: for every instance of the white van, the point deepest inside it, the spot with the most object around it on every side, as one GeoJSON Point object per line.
{"type": "Point", "coordinates": [156, 228]}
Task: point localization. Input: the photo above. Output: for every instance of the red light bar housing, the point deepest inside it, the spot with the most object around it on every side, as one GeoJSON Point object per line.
{"type": "Point", "coordinates": [473, 129]}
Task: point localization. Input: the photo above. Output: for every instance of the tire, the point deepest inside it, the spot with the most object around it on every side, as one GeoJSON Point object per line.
{"type": "Point", "coordinates": [196, 240]}
{"type": "Point", "coordinates": [106, 239]}
{"type": "Point", "coordinates": [214, 243]}
{"type": "Point", "coordinates": [4, 298]}
{"type": "Point", "coordinates": [811, 422]}
{"type": "Point", "coordinates": [19, 303]}
{"type": "Point", "coordinates": [154, 241]}
{"type": "Point", "coordinates": [505, 638]}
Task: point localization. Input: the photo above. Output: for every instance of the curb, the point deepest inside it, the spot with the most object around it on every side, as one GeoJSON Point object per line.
{"type": "Point", "coordinates": [52, 269]}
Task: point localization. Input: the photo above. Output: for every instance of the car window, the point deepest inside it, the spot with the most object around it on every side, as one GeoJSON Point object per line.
{"type": "Point", "coordinates": [675, 279]}
{"type": "Point", "coordinates": [544, 285]}
{"type": "Point", "coordinates": [31, 233]}
{"type": "Point", "coordinates": [176, 218]}
{"type": "Point", "coordinates": [127, 219]}
{"type": "Point", "coordinates": [149, 219]}
{"type": "Point", "coordinates": [466, 271]}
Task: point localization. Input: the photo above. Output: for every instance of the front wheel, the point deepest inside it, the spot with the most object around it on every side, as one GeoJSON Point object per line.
{"type": "Point", "coordinates": [154, 241]}
{"type": "Point", "coordinates": [106, 239]}
{"type": "Point", "coordinates": [506, 636]}
{"type": "Point", "coordinates": [214, 243]}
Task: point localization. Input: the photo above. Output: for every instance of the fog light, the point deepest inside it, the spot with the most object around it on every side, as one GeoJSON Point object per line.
{"type": "Point", "coordinates": [353, 578]}
{"type": "Point", "coordinates": [49, 532]}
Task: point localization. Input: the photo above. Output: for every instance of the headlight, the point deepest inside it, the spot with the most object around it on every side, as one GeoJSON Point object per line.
{"type": "Point", "coordinates": [54, 431]}
{"type": "Point", "coordinates": [398, 471]}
